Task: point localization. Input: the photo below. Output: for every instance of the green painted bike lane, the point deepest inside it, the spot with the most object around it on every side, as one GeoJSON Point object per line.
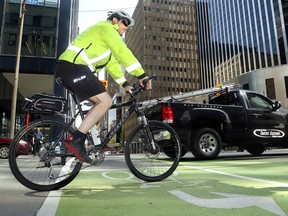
{"type": "Point", "coordinates": [256, 186]}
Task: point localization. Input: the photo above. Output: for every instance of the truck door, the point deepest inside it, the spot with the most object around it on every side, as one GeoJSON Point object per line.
{"type": "Point", "coordinates": [263, 123]}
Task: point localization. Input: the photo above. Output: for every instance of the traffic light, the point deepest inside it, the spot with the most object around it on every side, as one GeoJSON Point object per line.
{"type": "Point", "coordinates": [105, 84]}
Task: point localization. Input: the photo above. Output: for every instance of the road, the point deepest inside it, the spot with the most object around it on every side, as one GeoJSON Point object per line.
{"type": "Point", "coordinates": [235, 183]}
{"type": "Point", "coordinates": [15, 198]}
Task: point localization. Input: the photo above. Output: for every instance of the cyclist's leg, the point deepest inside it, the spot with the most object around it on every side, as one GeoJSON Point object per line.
{"type": "Point", "coordinates": [75, 143]}
{"type": "Point", "coordinates": [86, 86]}
{"type": "Point", "coordinates": [102, 103]}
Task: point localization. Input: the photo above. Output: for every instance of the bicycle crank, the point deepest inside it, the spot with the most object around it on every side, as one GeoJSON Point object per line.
{"type": "Point", "coordinates": [96, 154]}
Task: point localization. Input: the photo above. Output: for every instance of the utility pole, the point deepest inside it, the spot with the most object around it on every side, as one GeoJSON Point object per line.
{"type": "Point", "coordinates": [15, 89]}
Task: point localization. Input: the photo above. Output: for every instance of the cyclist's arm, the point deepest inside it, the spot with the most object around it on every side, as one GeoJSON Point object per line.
{"type": "Point", "coordinates": [114, 69]}
{"type": "Point", "coordinates": [122, 53]}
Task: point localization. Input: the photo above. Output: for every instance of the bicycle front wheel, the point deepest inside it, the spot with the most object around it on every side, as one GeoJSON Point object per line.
{"type": "Point", "coordinates": [51, 166]}
{"type": "Point", "coordinates": [153, 157]}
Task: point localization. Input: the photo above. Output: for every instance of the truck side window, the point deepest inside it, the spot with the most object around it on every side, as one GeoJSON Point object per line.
{"type": "Point", "coordinates": [226, 99]}
{"type": "Point", "coordinates": [258, 102]}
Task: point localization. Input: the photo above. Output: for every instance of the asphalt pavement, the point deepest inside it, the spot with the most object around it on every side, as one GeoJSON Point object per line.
{"type": "Point", "coordinates": [15, 199]}
{"type": "Point", "coordinates": [234, 184]}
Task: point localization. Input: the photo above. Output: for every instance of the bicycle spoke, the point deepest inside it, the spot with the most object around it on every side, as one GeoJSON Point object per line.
{"type": "Point", "coordinates": [153, 162]}
{"type": "Point", "coordinates": [51, 166]}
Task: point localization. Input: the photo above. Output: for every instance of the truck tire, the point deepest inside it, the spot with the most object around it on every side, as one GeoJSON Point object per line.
{"type": "Point", "coordinates": [256, 150]}
{"type": "Point", "coordinates": [206, 144]}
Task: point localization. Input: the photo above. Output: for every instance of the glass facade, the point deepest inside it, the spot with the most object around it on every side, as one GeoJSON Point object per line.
{"type": "Point", "coordinates": [40, 28]}
{"type": "Point", "coordinates": [239, 36]}
{"type": "Point", "coordinates": [49, 26]}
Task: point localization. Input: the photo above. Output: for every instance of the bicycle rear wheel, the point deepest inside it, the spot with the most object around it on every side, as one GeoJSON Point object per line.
{"type": "Point", "coordinates": [148, 163]}
{"type": "Point", "coordinates": [49, 169]}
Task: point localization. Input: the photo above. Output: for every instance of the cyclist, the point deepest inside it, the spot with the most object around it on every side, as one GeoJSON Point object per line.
{"type": "Point", "coordinates": [97, 47]}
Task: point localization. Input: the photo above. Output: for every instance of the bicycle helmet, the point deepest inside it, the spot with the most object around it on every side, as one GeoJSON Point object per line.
{"type": "Point", "coordinates": [120, 14]}
{"type": "Point", "coordinates": [109, 13]}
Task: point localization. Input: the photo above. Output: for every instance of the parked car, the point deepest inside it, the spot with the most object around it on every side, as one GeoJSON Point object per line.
{"type": "Point", "coordinates": [23, 147]}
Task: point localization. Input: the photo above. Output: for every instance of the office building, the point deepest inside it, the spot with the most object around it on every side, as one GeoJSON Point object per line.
{"type": "Point", "coordinates": [164, 39]}
{"type": "Point", "coordinates": [49, 26]}
{"type": "Point", "coordinates": [245, 42]}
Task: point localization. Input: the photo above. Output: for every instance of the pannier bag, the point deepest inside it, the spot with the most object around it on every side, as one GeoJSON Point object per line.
{"type": "Point", "coordinates": [45, 103]}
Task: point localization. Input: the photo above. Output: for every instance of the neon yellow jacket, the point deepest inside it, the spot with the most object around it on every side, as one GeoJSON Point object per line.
{"type": "Point", "coordinates": [101, 45]}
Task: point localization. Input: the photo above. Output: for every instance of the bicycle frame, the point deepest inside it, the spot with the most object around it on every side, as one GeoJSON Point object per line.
{"type": "Point", "coordinates": [115, 128]}
{"type": "Point", "coordinates": [133, 107]}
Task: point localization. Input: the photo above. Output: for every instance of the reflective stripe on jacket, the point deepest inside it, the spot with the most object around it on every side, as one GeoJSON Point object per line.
{"type": "Point", "coordinates": [101, 45]}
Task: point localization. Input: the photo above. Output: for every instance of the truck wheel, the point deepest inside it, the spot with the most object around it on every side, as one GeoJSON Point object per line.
{"type": "Point", "coordinates": [256, 150]}
{"type": "Point", "coordinates": [206, 144]}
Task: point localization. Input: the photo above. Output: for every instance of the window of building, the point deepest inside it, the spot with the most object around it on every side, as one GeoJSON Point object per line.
{"type": "Point", "coordinates": [270, 88]}
{"type": "Point", "coordinates": [246, 86]}
{"type": "Point", "coordinates": [286, 85]}
{"type": "Point", "coordinates": [39, 32]}
{"type": "Point", "coordinates": [37, 21]}
{"type": "Point", "coordinates": [12, 40]}
{"type": "Point", "coordinates": [14, 19]}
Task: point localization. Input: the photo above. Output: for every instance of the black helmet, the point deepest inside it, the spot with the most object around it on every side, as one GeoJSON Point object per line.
{"type": "Point", "coordinates": [120, 14]}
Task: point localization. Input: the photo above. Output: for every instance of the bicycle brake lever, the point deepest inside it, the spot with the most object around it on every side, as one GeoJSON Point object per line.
{"type": "Point", "coordinates": [135, 90]}
{"type": "Point", "coordinates": [145, 81]}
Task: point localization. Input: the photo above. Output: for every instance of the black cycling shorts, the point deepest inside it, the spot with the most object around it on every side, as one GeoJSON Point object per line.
{"type": "Point", "coordinates": [80, 79]}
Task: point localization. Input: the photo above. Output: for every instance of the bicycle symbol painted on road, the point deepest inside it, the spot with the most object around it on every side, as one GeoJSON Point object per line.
{"type": "Point", "coordinates": [114, 175]}
{"type": "Point", "coordinates": [229, 201]}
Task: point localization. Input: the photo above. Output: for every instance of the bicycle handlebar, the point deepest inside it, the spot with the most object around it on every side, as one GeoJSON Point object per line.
{"type": "Point", "coordinates": [137, 88]}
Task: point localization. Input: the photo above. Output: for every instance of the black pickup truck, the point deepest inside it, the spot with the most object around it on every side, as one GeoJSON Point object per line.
{"type": "Point", "coordinates": [237, 118]}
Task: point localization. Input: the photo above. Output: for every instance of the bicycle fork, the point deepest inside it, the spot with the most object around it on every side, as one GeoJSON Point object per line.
{"type": "Point", "coordinates": [148, 135]}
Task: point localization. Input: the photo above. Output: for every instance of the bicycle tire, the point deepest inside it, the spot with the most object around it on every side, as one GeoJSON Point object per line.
{"type": "Point", "coordinates": [149, 165]}
{"type": "Point", "coordinates": [38, 172]}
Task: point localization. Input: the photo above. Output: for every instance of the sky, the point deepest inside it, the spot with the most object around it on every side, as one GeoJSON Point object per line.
{"type": "Point", "coordinates": [92, 11]}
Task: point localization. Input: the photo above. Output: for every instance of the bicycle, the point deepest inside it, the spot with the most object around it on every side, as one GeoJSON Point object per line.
{"type": "Point", "coordinates": [152, 149]}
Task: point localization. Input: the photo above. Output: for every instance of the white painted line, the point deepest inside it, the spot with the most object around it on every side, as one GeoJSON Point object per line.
{"type": "Point", "coordinates": [102, 170]}
{"type": "Point", "coordinates": [240, 176]}
{"type": "Point", "coordinates": [50, 204]}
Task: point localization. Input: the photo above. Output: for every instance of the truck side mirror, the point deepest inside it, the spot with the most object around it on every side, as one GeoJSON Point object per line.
{"type": "Point", "coordinates": [276, 105]}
